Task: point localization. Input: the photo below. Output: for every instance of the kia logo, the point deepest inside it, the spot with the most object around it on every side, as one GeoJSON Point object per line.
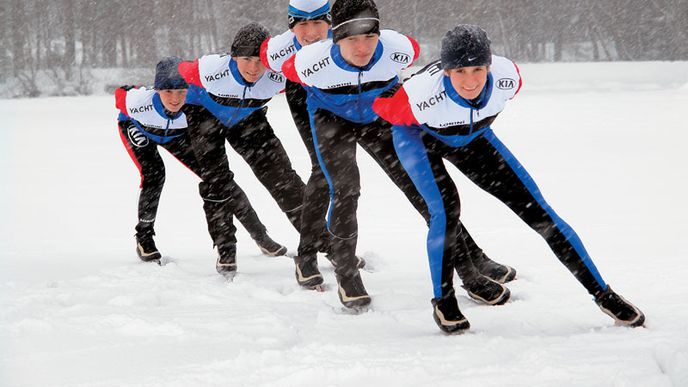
{"type": "Point", "coordinates": [275, 77]}
{"type": "Point", "coordinates": [506, 84]}
{"type": "Point", "coordinates": [400, 57]}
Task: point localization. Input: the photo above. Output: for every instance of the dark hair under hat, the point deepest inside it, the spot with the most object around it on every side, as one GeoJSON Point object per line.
{"type": "Point", "coordinates": [466, 46]}
{"type": "Point", "coordinates": [248, 40]}
{"type": "Point", "coordinates": [354, 17]}
{"type": "Point", "coordinates": [167, 74]}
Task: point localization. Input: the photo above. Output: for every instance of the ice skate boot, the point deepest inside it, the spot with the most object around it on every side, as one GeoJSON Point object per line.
{"type": "Point", "coordinates": [351, 291]}
{"type": "Point", "coordinates": [623, 312]}
{"type": "Point", "coordinates": [360, 262]}
{"type": "Point", "coordinates": [145, 247]}
{"type": "Point", "coordinates": [447, 314]}
{"type": "Point", "coordinates": [493, 270]}
{"type": "Point", "coordinates": [307, 272]}
{"type": "Point", "coordinates": [269, 247]}
{"type": "Point", "coordinates": [485, 290]}
{"type": "Point", "coordinates": [226, 261]}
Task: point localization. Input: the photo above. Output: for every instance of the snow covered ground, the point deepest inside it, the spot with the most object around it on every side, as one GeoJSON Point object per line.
{"type": "Point", "coordinates": [605, 142]}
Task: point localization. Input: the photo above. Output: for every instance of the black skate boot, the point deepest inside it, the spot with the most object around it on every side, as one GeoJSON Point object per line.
{"type": "Point", "coordinates": [360, 263]}
{"type": "Point", "coordinates": [447, 314]}
{"type": "Point", "coordinates": [326, 247]}
{"type": "Point", "coordinates": [351, 291]}
{"type": "Point", "coordinates": [307, 273]}
{"type": "Point", "coordinates": [623, 312]}
{"type": "Point", "coordinates": [269, 247]}
{"type": "Point", "coordinates": [484, 289]}
{"type": "Point", "coordinates": [226, 261]}
{"type": "Point", "coordinates": [493, 270]}
{"type": "Point", "coordinates": [145, 247]}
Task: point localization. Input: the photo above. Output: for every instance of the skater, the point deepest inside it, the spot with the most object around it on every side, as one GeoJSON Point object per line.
{"type": "Point", "coordinates": [309, 22]}
{"type": "Point", "coordinates": [342, 77]}
{"type": "Point", "coordinates": [152, 118]}
{"type": "Point", "coordinates": [444, 112]}
{"type": "Point", "coordinates": [231, 92]}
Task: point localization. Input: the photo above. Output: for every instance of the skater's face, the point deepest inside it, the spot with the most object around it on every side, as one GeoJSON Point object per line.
{"type": "Point", "coordinates": [172, 99]}
{"type": "Point", "coordinates": [310, 31]}
{"type": "Point", "coordinates": [358, 50]}
{"type": "Point", "coordinates": [250, 68]}
{"type": "Point", "coordinates": [468, 81]}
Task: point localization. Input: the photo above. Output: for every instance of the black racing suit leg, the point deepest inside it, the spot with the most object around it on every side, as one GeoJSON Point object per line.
{"type": "Point", "coordinates": [490, 165]}
{"type": "Point", "coordinates": [238, 204]}
{"type": "Point", "coordinates": [313, 236]}
{"type": "Point", "coordinates": [254, 139]}
{"type": "Point", "coordinates": [376, 139]}
{"type": "Point", "coordinates": [152, 170]}
{"type": "Point", "coordinates": [335, 140]}
{"type": "Point", "coordinates": [207, 139]}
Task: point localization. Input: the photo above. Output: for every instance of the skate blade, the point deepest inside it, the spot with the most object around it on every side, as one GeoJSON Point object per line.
{"type": "Point", "coordinates": [229, 276]}
{"type": "Point", "coordinates": [355, 310]}
{"type": "Point", "coordinates": [166, 260]}
{"type": "Point", "coordinates": [457, 333]}
{"type": "Point", "coordinates": [621, 324]}
{"type": "Point", "coordinates": [154, 260]}
{"type": "Point", "coordinates": [318, 288]}
{"type": "Point", "coordinates": [501, 300]}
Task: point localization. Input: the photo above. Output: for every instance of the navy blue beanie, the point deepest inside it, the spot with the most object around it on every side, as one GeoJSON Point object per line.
{"type": "Point", "coordinates": [248, 39]}
{"type": "Point", "coordinates": [167, 74]}
{"type": "Point", "coordinates": [466, 46]}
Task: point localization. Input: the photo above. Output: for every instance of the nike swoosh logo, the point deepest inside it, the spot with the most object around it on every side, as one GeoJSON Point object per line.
{"type": "Point", "coordinates": [472, 59]}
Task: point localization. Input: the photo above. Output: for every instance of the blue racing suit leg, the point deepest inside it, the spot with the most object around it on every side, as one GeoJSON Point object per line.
{"type": "Point", "coordinates": [442, 199]}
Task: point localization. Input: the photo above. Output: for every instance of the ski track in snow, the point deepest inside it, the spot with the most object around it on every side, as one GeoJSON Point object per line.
{"type": "Point", "coordinates": [77, 308]}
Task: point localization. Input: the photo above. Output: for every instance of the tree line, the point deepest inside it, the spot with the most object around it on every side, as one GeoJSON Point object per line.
{"type": "Point", "coordinates": [76, 34]}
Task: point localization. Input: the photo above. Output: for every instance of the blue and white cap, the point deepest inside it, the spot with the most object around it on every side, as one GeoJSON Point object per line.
{"type": "Point", "coordinates": [302, 10]}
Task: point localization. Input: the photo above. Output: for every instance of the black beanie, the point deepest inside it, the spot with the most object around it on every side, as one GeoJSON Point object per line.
{"type": "Point", "coordinates": [354, 17]}
{"type": "Point", "coordinates": [248, 40]}
{"type": "Point", "coordinates": [466, 46]}
{"type": "Point", "coordinates": [167, 75]}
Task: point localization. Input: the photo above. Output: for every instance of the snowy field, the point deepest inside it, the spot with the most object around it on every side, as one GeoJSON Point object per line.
{"type": "Point", "coordinates": [605, 142]}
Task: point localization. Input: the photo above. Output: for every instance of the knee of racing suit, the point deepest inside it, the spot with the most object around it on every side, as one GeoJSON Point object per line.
{"type": "Point", "coordinates": [218, 191]}
{"type": "Point", "coordinates": [348, 188]}
{"type": "Point", "coordinates": [152, 176]}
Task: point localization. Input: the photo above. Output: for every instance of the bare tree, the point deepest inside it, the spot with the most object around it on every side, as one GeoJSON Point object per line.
{"type": "Point", "coordinates": [39, 34]}
{"type": "Point", "coordinates": [18, 33]}
{"type": "Point", "coordinates": [69, 37]}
